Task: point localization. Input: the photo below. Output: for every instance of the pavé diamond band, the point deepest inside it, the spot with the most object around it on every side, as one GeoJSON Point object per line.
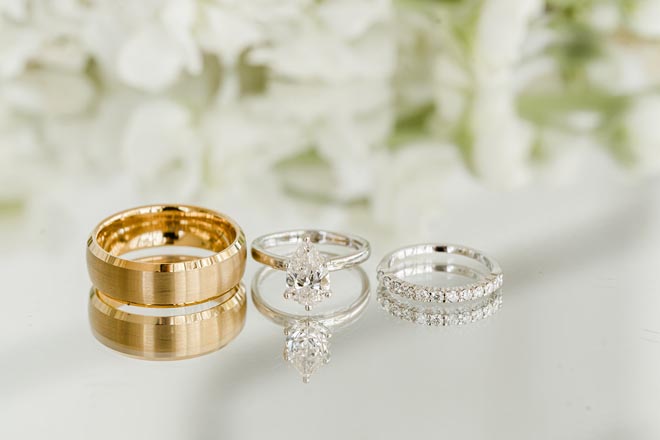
{"type": "Point", "coordinates": [394, 269]}
{"type": "Point", "coordinates": [308, 268]}
{"type": "Point", "coordinates": [307, 345]}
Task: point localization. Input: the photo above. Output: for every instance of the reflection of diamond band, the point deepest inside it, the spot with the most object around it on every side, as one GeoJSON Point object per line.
{"type": "Point", "coordinates": [307, 336]}
{"type": "Point", "coordinates": [439, 317]}
{"type": "Point", "coordinates": [308, 269]}
{"type": "Point", "coordinates": [396, 266]}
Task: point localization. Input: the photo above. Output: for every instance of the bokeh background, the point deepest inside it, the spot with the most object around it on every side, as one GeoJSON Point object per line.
{"type": "Point", "coordinates": [527, 128]}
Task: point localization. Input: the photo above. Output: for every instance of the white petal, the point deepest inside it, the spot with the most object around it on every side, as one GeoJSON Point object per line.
{"type": "Point", "coordinates": [226, 33]}
{"type": "Point", "coordinates": [161, 150]}
{"type": "Point", "coordinates": [644, 133]}
{"type": "Point", "coordinates": [17, 45]}
{"type": "Point", "coordinates": [49, 92]}
{"type": "Point", "coordinates": [502, 141]}
{"type": "Point", "coordinates": [351, 18]}
{"type": "Point", "coordinates": [150, 60]}
{"type": "Point", "coordinates": [178, 18]}
{"type": "Point", "coordinates": [645, 18]}
{"type": "Point", "coordinates": [498, 46]}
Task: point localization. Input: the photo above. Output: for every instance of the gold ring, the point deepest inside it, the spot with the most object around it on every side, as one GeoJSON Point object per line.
{"type": "Point", "coordinates": [175, 337]}
{"type": "Point", "coordinates": [172, 280]}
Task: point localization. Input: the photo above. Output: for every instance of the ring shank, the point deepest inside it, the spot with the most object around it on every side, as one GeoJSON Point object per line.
{"type": "Point", "coordinates": [400, 255]}
{"type": "Point", "coordinates": [392, 273]}
{"type": "Point", "coordinates": [262, 254]}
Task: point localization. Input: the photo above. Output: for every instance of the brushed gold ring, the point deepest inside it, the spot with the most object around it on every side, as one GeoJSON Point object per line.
{"type": "Point", "coordinates": [175, 337]}
{"type": "Point", "coordinates": [171, 281]}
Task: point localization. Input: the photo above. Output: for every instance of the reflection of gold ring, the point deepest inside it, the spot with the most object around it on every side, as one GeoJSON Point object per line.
{"type": "Point", "coordinates": [161, 281]}
{"type": "Point", "coordinates": [159, 337]}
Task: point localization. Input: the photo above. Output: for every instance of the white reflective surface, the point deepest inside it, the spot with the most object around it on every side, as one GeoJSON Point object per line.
{"type": "Point", "coordinates": [574, 352]}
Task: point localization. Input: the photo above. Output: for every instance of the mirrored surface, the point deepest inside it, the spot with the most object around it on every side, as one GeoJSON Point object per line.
{"type": "Point", "coordinates": [573, 353]}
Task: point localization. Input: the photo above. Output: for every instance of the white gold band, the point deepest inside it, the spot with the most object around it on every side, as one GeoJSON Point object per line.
{"type": "Point", "coordinates": [396, 266]}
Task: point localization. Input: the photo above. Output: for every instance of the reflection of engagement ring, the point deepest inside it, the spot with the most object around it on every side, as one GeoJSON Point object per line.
{"type": "Point", "coordinates": [308, 269]}
{"type": "Point", "coordinates": [396, 268]}
{"type": "Point", "coordinates": [307, 336]}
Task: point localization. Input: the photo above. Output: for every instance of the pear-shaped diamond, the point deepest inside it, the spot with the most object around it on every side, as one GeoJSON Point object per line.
{"type": "Point", "coordinates": [307, 276]}
{"type": "Point", "coordinates": [307, 347]}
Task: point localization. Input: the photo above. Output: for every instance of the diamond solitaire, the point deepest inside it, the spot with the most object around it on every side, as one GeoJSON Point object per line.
{"type": "Point", "coordinates": [307, 347]}
{"type": "Point", "coordinates": [308, 267]}
{"type": "Point", "coordinates": [307, 276]}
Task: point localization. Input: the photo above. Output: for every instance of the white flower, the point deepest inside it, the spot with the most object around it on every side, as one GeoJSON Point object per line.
{"type": "Point", "coordinates": [628, 66]}
{"type": "Point", "coordinates": [479, 93]}
{"type": "Point", "coordinates": [43, 34]}
{"type": "Point", "coordinates": [21, 161]}
{"type": "Point", "coordinates": [351, 19]}
{"type": "Point", "coordinates": [321, 47]}
{"type": "Point", "coordinates": [416, 52]}
{"type": "Point", "coordinates": [146, 46]}
{"type": "Point", "coordinates": [645, 18]}
{"type": "Point", "coordinates": [161, 150]}
{"type": "Point", "coordinates": [604, 16]}
{"type": "Point", "coordinates": [226, 32]}
{"type": "Point", "coordinates": [502, 141]}
{"type": "Point", "coordinates": [48, 93]}
{"type": "Point", "coordinates": [16, 10]}
{"type": "Point", "coordinates": [150, 59]}
{"type": "Point", "coordinates": [246, 139]}
{"type": "Point", "coordinates": [501, 32]}
{"type": "Point", "coordinates": [292, 118]}
{"type": "Point", "coordinates": [452, 87]}
{"type": "Point", "coordinates": [417, 182]}
{"type": "Point", "coordinates": [17, 45]}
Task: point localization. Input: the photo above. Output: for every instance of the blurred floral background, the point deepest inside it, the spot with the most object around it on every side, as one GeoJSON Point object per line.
{"type": "Point", "coordinates": [382, 104]}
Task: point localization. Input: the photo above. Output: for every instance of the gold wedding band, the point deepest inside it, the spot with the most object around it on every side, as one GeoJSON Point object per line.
{"type": "Point", "coordinates": [171, 281]}
{"type": "Point", "coordinates": [180, 336]}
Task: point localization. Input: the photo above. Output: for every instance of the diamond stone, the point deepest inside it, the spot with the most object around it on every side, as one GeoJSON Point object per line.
{"type": "Point", "coordinates": [452, 296]}
{"type": "Point", "coordinates": [307, 276]}
{"type": "Point", "coordinates": [423, 295]}
{"type": "Point", "coordinates": [421, 318]}
{"type": "Point", "coordinates": [307, 347]}
{"type": "Point", "coordinates": [437, 319]}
